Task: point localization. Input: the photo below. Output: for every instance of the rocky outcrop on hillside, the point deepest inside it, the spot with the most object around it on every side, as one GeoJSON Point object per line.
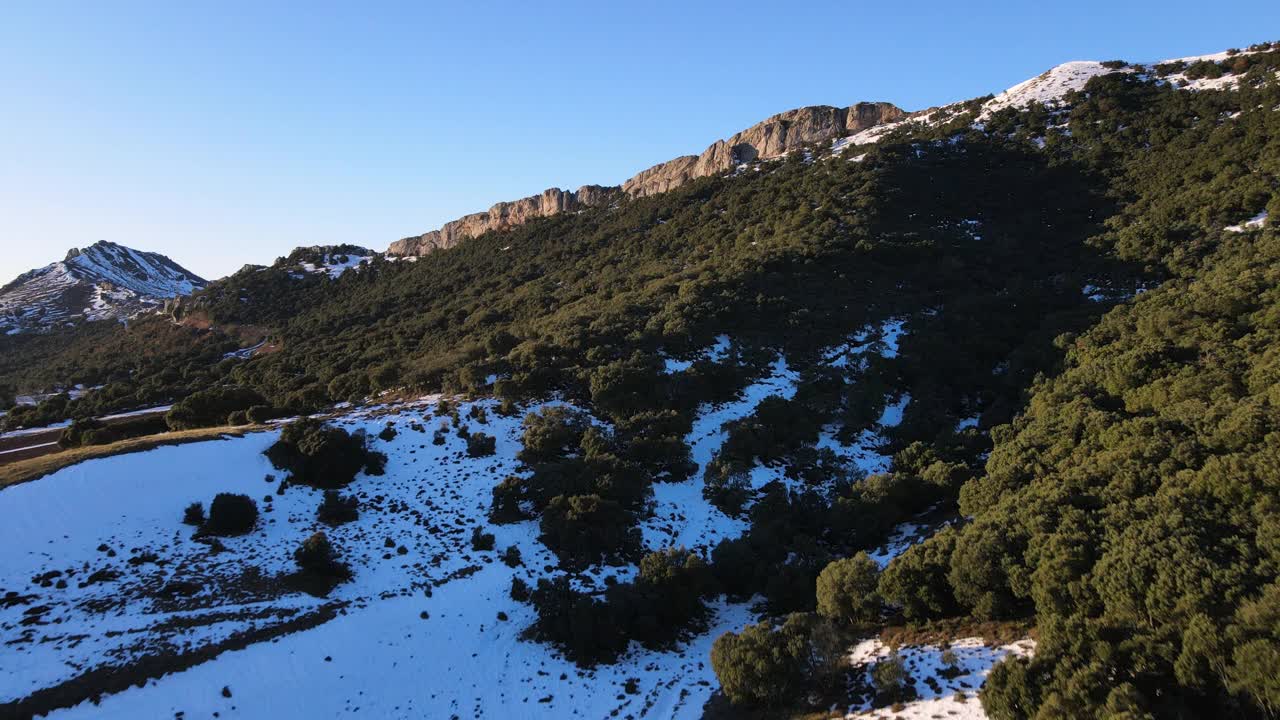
{"type": "Point", "coordinates": [772, 138]}
{"type": "Point", "coordinates": [505, 215]}
{"type": "Point", "coordinates": [769, 139]}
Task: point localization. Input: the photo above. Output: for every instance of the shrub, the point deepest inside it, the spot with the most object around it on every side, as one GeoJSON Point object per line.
{"type": "Point", "coordinates": [890, 678]}
{"type": "Point", "coordinates": [583, 529]}
{"type": "Point", "coordinates": [336, 509]}
{"type": "Point", "coordinates": [916, 581]}
{"type": "Point", "coordinates": [776, 428]}
{"type": "Point", "coordinates": [655, 440]}
{"type": "Point", "coordinates": [627, 387]}
{"type": "Point", "coordinates": [206, 408]}
{"type": "Point", "coordinates": [323, 456]}
{"type": "Point", "coordinates": [193, 514]}
{"type": "Point", "coordinates": [231, 514]}
{"type": "Point", "coordinates": [552, 434]}
{"type": "Point", "coordinates": [846, 590]}
{"type": "Point", "coordinates": [667, 595]}
{"type": "Point", "coordinates": [388, 433]}
{"type": "Point", "coordinates": [480, 445]}
{"type": "Point", "coordinates": [511, 556]}
{"type": "Point", "coordinates": [1203, 69]}
{"type": "Point", "coordinates": [316, 556]}
{"type": "Point", "coordinates": [519, 589]}
{"type": "Point", "coordinates": [763, 665]}
{"type": "Point", "coordinates": [587, 630]}
{"type": "Point", "coordinates": [734, 562]}
{"type": "Point", "coordinates": [86, 431]}
{"type": "Point", "coordinates": [726, 488]}
{"type": "Point", "coordinates": [481, 540]}
{"type": "Point", "coordinates": [260, 414]}
{"type": "Point", "coordinates": [507, 498]}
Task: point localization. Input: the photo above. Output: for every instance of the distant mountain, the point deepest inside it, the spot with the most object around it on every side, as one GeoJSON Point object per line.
{"type": "Point", "coordinates": [104, 281]}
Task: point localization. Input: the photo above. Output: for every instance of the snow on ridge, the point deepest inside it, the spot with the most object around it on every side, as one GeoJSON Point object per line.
{"type": "Point", "coordinates": [925, 118]}
{"type": "Point", "coordinates": [1048, 88]}
{"type": "Point", "coordinates": [335, 264]}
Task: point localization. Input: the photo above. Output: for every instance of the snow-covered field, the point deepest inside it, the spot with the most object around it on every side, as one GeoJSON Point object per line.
{"type": "Point", "coordinates": [417, 632]}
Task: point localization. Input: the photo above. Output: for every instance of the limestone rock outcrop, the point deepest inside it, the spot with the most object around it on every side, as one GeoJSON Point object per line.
{"type": "Point", "coordinates": [505, 215]}
{"type": "Point", "coordinates": [771, 138]}
{"type": "Point", "coordinates": [774, 137]}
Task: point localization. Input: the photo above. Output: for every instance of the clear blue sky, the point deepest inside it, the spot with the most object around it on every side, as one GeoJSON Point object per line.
{"type": "Point", "coordinates": [222, 133]}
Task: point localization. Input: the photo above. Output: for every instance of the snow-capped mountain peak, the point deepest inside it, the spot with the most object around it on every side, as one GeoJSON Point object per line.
{"type": "Point", "coordinates": [99, 282]}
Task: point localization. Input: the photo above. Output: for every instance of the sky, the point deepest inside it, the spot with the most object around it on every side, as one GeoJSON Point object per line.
{"type": "Point", "coordinates": [225, 133]}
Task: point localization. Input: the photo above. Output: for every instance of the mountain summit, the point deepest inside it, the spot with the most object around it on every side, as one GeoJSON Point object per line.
{"type": "Point", "coordinates": [99, 282]}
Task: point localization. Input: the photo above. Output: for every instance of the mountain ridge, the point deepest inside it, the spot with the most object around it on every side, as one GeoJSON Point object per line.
{"type": "Point", "coordinates": [784, 132]}
{"type": "Point", "coordinates": [770, 138]}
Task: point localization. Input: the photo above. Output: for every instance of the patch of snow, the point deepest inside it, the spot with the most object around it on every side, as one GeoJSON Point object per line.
{"type": "Point", "coordinates": [883, 339]}
{"type": "Point", "coordinates": [716, 353]}
{"type": "Point", "coordinates": [864, 452]}
{"type": "Point", "coordinates": [33, 431]}
{"type": "Point", "coordinates": [28, 447]}
{"type": "Point", "coordinates": [336, 264]}
{"type": "Point", "coordinates": [677, 366]}
{"type": "Point", "coordinates": [135, 413]}
{"type": "Point", "coordinates": [244, 353]}
{"type": "Point", "coordinates": [1254, 223]}
{"type": "Point", "coordinates": [905, 535]}
{"type": "Point", "coordinates": [973, 660]}
{"type": "Point", "coordinates": [681, 516]}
